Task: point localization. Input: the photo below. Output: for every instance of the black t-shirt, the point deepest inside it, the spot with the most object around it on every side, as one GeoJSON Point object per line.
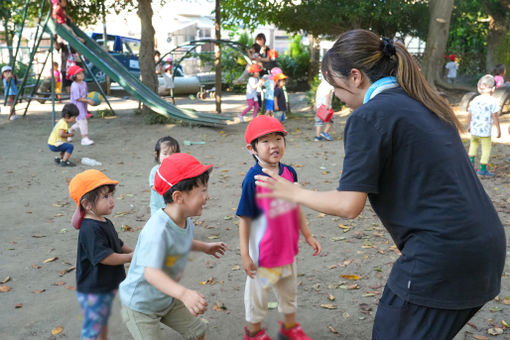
{"type": "Point", "coordinates": [96, 241]}
{"type": "Point", "coordinates": [279, 98]}
{"type": "Point", "coordinates": [422, 186]}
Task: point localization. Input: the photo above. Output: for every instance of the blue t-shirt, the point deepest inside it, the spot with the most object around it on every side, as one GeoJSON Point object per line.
{"type": "Point", "coordinates": [162, 245]}
{"type": "Point", "coordinates": [157, 202]}
{"type": "Point", "coordinates": [13, 89]}
{"type": "Point", "coordinates": [422, 186]}
{"type": "Point", "coordinates": [96, 241]}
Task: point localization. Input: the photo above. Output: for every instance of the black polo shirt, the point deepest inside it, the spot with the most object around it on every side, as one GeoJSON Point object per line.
{"type": "Point", "coordinates": [422, 186]}
{"type": "Point", "coordinates": [96, 241]}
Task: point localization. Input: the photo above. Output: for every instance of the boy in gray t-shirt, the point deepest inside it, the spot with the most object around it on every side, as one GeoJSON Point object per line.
{"type": "Point", "coordinates": [151, 293]}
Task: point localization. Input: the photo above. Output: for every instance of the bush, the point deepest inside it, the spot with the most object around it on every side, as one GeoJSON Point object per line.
{"type": "Point", "coordinates": [295, 63]}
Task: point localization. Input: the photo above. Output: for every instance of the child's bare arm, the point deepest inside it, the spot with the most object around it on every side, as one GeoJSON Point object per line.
{"type": "Point", "coordinates": [495, 116]}
{"type": "Point", "coordinates": [307, 234]}
{"type": "Point", "coordinates": [126, 249]}
{"type": "Point", "coordinates": [193, 300]}
{"type": "Point", "coordinates": [213, 248]}
{"type": "Point", "coordinates": [244, 239]}
{"type": "Point", "coordinates": [64, 133]}
{"type": "Point", "coordinates": [86, 100]}
{"type": "Point", "coordinates": [468, 120]}
{"type": "Point", "coordinates": [115, 259]}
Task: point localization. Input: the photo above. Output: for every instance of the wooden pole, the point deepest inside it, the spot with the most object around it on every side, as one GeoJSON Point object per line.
{"type": "Point", "coordinates": [217, 57]}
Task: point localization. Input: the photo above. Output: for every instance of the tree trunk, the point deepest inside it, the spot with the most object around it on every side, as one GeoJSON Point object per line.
{"type": "Point", "coordinates": [437, 38]}
{"type": "Point", "coordinates": [315, 54]}
{"type": "Point", "coordinates": [146, 57]}
{"type": "Point", "coordinates": [497, 30]}
{"type": "Point", "coordinates": [217, 57]}
{"type": "Point", "coordinates": [8, 40]}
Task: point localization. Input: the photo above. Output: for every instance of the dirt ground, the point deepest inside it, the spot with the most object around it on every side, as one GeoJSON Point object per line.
{"type": "Point", "coordinates": [36, 210]}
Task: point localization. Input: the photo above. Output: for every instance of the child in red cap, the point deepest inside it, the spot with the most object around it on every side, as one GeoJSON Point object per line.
{"type": "Point", "coordinates": [151, 295]}
{"type": "Point", "coordinates": [101, 254]}
{"type": "Point", "coordinates": [79, 98]}
{"type": "Point", "coordinates": [269, 233]}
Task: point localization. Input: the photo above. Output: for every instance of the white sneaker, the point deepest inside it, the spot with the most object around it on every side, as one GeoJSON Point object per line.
{"type": "Point", "coordinates": [13, 117]}
{"type": "Point", "coordinates": [86, 141]}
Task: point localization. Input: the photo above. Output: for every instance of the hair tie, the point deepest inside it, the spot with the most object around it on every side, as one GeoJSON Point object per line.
{"type": "Point", "coordinates": [388, 47]}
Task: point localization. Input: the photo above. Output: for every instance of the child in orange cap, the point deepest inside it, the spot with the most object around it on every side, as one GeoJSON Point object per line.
{"type": "Point", "coordinates": [151, 295]}
{"type": "Point", "coordinates": [101, 254]}
{"type": "Point", "coordinates": [280, 102]}
{"type": "Point", "coordinates": [269, 233]}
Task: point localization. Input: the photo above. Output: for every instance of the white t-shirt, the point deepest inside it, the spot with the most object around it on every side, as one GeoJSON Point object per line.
{"type": "Point", "coordinates": [324, 94]}
{"type": "Point", "coordinates": [482, 108]}
{"type": "Point", "coordinates": [251, 88]}
{"type": "Point", "coordinates": [452, 68]}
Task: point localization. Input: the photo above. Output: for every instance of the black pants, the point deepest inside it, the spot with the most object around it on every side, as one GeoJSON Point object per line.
{"type": "Point", "coordinates": [397, 319]}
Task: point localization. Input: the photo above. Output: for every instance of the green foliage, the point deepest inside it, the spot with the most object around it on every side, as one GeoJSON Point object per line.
{"type": "Point", "coordinates": [503, 51]}
{"type": "Point", "coordinates": [105, 113]}
{"type": "Point", "coordinates": [156, 118]}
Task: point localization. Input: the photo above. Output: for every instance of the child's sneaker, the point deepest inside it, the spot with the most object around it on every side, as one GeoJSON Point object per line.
{"type": "Point", "coordinates": [294, 333]}
{"type": "Point", "coordinates": [58, 160]}
{"type": "Point", "coordinates": [241, 118]}
{"type": "Point", "coordinates": [485, 173]}
{"type": "Point", "coordinates": [326, 136]}
{"type": "Point", "coordinates": [86, 141]}
{"type": "Point", "coordinates": [67, 163]}
{"type": "Point", "coordinates": [261, 335]}
{"type": "Point", "coordinates": [317, 139]}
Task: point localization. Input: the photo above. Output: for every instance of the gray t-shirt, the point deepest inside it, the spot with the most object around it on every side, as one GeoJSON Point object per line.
{"type": "Point", "coordinates": [163, 245]}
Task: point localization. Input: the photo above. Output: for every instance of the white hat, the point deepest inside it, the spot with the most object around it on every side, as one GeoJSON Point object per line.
{"type": "Point", "coordinates": [6, 68]}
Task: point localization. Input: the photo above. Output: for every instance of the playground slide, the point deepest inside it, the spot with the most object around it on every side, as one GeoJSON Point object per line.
{"type": "Point", "coordinates": [118, 73]}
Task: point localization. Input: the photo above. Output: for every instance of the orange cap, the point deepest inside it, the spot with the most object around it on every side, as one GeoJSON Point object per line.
{"type": "Point", "coordinates": [262, 125]}
{"type": "Point", "coordinates": [279, 76]}
{"type": "Point", "coordinates": [254, 68]}
{"type": "Point", "coordinates": [83, 183]}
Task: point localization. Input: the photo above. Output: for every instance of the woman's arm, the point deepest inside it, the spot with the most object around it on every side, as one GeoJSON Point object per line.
{"type": "Point", "coordinates": [347, 204]}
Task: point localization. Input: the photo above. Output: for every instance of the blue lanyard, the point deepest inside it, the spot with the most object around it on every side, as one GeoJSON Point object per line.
{"type": "Point", "coordinates": [379, 86]}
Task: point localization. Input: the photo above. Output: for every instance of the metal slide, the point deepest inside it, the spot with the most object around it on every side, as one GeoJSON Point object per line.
{"type": "Point", "coordinates": [118, 73]}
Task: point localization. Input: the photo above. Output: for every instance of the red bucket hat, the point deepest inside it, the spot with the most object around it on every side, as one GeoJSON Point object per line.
{"type": "Point", "coordinates": [254, 68]}
{"type": "Point", "coordinates": [175, 168]}
{"type": "Point", "coordinates": [75, 69]}
{"type": "Point", "coordinates": [83, 183]}
{"type": "Point", "coordinates": [262, 125]}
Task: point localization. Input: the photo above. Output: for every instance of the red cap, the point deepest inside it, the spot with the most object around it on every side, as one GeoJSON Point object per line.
{"type": "Point", "coordinates": [262, 125]}
{"type": "Point", "coordinates": [75, 69]}
{"type": "Point", "coordinates": [254, 68]}
{"type": "Point", "coordinates": [452, 57]}
{"type": "Point", "coordinates": [175, 168]}
{"type": "Point", "coordinates": [272, 54]}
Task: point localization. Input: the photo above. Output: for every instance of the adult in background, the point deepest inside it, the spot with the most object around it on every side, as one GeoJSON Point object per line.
{"type": "Point", "coordinates": [266, 55]}
{"type": "Point", "coordinates": [403, 151]}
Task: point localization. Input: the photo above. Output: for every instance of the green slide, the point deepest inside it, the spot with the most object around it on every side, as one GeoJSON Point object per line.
{"type": "Point", "coordinates": [118, 73]}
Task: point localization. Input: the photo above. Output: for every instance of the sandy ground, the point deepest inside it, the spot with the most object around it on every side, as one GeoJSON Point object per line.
{"type": "Point", "coordinates": [36, 211]}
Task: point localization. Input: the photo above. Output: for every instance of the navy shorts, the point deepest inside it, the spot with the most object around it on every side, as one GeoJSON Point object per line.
{"type": "Point", "coordinates": [66, 147]}
{"type": "Point", "coordinates": [397, 319]}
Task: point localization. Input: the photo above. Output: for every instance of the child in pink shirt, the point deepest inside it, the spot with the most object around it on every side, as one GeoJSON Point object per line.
{"type": "Point", "coordinates": [269, 233]}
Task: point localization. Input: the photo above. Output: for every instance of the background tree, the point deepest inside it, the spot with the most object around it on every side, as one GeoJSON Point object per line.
{"type": "Point", "coordinates": [497, 38]}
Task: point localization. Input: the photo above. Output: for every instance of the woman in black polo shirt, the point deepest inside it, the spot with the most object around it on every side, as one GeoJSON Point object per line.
{"type": "Point", "coordinates": [403, 151]}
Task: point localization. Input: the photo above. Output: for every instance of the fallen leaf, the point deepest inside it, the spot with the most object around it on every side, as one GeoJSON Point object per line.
{"type": "Point", "coordinates": [213, 237]}
{"type": "Point", "coordinates": [4, 289]}
{"type": "Point", "coordinates": [125, 227]}
{"type": "Point", "coordinates": [495, 309]}
{"type": "Point", "coordinates": [506, 301]}
{"type": "Point", "coordinates": [51, 259]}
{"type": "Point", "coordinates": [57, 330]}
{"type": "Point", "coordinates": [38, 236]}
{"type": "Point", "coordinates": [39, 291]}
{"type": "Point", "coordinates": [65, 271]}
{"type": "Point", "coordinates": [328, 306]}
{"type": "Point", "coordinates": [71, 287]}
{"type": "Point", "coordinates": [332, 330]}
{"type": "Point", "coordinates": [218, 307]}
{"type": "Point", "coordinates": [122, 213]}
{"type": "Point", "coordinates": [333, 266]}
{"type": "Point", "coordinates": [59, 283]}
{"type": "Point", "coordinates": [209, 281]}
{"type": "Point", "coordinates": [351, 277]}
{"type": "Point", "coordinates": [480, 337]}
{"type": "Point", "coordinates": [236, 267]}
{"type": "Point", "coordinates": [337, 238]}
{"type": "Point", "coordinates": [331, 297]}
{"type": "Point", "coordinates": [19, 305]}
{"type": "Point", "coordinates": [226, 218]}
{"type": "Point", "coordinates": [495, 331]}
{"type": "Point", "coordinates": [36, 266]}
{"type": "Point", "coordinates": [503, 322]}
{"type": "Point", "coordinates": [7, 279]}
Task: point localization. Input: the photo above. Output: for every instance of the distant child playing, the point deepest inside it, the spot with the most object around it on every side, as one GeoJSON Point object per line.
{"type": "Point", "coordinates": [269, 233]}
{"type": "Point", "coordinates": [251, 91]}
{"type": "Point", "coordinates": [499, 74]}
{"type": "Point", "coordinates": [79, 94]}
{"type": "Point", "coordinates": [452, 68]}
{"type": "Point", "coordinates": [101, 254]}
{"type": "Point", "coordinates": [280, 102]}
{"type": "Point", "coordinates": [59, 15]}
{"type": "Point", "coordinates": [10, 89]}
{"type": "Point", "coordinates": [483, 112]}
{"type": "Point", "coordinates": [323, 96]}
{"type": "Point", "coordinates": [165, 146]}
{"type": "Point", "coordinates": [58, 81]}
{"type": "Point", "coordinates": [57, 141]}
{"type": "Point", "coordinates": [151, 294]}
{"type": "Point", "coordinates": [268, 94]}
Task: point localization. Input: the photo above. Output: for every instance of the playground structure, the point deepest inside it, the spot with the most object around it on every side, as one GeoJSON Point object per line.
{"type": "Point", "coordinates": [109, 65]}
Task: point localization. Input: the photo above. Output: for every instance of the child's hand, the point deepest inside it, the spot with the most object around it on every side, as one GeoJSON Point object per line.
{"type": "Point", "coordinates": [249, 267]}
{"type": "Point", "coordinates": [130, 255]}
{"type": "Point", "coordinates": [215, 248]}
{"type": "Point", "coordinates": [194, 301]}
{"type": "Point", "coordinates": [71, 133]}
{"type": "Point", "coordinates": [90, 102]}
{"type": "Point", "coordinates": [314, 244]}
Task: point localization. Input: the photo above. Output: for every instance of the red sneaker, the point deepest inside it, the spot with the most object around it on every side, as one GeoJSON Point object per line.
{"type": "Point", "coordinates": [261, 335]}
{"type": "Point", "coordinates": [294, 333]}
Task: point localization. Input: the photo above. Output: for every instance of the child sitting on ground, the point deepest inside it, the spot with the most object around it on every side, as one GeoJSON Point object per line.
{"type": "Point", "coordinates": [165, 146]}
{"type": "Point", "coordinates": [10, 89]}
{"type": "Point", "coordinates": [151, 294]}
{"type": "Point", "coordinates": [280, 102]}
{"type": "Point", "coordinates": [101, 254]}
{"type": "Point", "coordinates": [57, 141]}
{"type": "Point", "coordinates": [269, 234]}
{"type": "Point", "coordinates": [483, 111]}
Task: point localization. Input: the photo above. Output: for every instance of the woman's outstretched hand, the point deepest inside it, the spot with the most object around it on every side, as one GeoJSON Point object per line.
{"type": "Point", "coordinates": [279, 186]}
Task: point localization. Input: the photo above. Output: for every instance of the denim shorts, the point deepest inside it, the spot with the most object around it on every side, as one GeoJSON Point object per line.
{"type": "Point", "coordinates": [65, 147]}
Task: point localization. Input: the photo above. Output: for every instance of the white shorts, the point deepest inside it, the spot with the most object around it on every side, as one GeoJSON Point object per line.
{"type": "Point", "coordinates": [256, 296]}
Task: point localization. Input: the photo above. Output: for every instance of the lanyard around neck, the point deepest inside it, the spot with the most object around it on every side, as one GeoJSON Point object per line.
{"type": "Point", "coordinates": [380, 86]}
